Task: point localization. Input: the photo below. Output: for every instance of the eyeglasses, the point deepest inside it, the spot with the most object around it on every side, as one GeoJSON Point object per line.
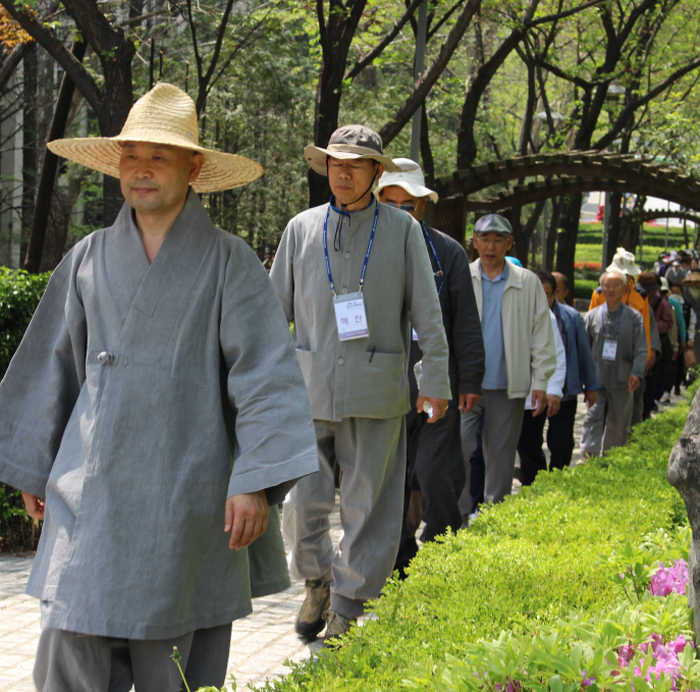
{"type": "Point", "coordinates": [406, 207]}
{"type": "Point", "coordinates": [496, 242]}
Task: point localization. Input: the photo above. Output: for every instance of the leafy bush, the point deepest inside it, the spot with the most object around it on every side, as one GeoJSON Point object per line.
{"type": "Point", "coordinates": [583, 288]}
{"type": "Point", "coordinates": [20, 293]}
{"type": "Point", "coordinates": [530, 567]}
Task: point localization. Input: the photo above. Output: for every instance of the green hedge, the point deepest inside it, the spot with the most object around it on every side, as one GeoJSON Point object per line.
{"type": "Point", "coordinates": [19, 295]}
{"type": "Point", "coordinates": [520, 568]}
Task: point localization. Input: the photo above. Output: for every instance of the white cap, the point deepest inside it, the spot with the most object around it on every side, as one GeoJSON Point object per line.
{"type": "Point", "coordinates": [623, 261]}
{"type": "Point", "coordinates": [410, 178]}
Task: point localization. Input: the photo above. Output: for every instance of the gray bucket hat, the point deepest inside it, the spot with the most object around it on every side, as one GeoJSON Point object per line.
{"type": "Point", "coordinates": [350, 142]}
{"type": "Point", "coordinates": [493, 223]}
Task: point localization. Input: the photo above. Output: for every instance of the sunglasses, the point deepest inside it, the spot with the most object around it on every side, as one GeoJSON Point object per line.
{"type": "Point", "coordinates": [406, 207]}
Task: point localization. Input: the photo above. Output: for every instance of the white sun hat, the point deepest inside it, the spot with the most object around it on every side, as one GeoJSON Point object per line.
{"type": "Point", "coordinates": [409, 178]}
{"type": "Point", "coordinates": [623, 261]}
{"type": "Point", "coordinates": [164, 115]}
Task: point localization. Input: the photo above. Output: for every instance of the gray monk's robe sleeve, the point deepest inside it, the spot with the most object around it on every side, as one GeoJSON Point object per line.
{"type": "Point", "coordinates": [426, 317]}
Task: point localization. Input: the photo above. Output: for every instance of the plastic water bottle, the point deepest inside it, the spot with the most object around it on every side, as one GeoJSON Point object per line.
{"type": "Point", "coordinates": [418, 372]}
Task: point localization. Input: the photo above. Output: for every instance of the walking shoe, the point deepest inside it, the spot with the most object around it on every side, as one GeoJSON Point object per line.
{"type": "Point", "coordinates": [310, 620]}
{"type": "Point", "coordinates": [666, 398]}
{"type": "Point", "coordinates": [336, 624]}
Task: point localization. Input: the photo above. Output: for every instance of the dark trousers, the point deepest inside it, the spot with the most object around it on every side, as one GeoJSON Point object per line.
{"type": "Point", "coordinates": [680, 371]}
{"type": "Point", "coordinates": [434, 467]}
{"type": "Point", "coordinates": [560, 435]}
{"type": "Point", "coordinates": [532, 458]}
{"type": "Point", "coordinates": [650, 391]}
{"type": "Point", "coordinates": [477, 477]}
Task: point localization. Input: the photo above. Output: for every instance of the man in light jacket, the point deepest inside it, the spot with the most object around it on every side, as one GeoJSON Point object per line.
{"type": "Point", "coordinates": [520, 352]}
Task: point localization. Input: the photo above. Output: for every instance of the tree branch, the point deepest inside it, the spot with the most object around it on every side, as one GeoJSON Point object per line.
{"type": "Point", "coordinates": [431, 75]}
{"type": "Point", "coordinates": [72, 66]}
{"type": "Point", "coordinates": [632, 106]}
{"type": "Point", "coordinates": [377, 50]}
{"type": "Point", "coordinates": [9, 64]}
{"type": "Point", "coordinates": [443, 19]}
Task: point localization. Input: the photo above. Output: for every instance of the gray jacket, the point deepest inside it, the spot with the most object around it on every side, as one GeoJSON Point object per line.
{"type": "Point", "coordinates": [363, 377]}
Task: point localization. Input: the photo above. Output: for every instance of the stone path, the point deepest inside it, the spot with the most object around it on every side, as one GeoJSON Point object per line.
{"type": "Point", "coordinates": [260, 643]}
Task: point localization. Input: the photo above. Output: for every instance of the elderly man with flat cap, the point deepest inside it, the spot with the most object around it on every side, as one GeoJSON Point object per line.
{"type": "Point", "coordinates": [353, 275]}
{"type": "Point", "coordinates": [520, 356]}
{"type": "Point", "coordinates": [154, 404]}
{"type": "Point", "coordinates": [435, 467]}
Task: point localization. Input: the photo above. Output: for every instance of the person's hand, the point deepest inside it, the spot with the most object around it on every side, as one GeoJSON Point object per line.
{"type": "Point", "coordinates": [34, 506]}
{"type": "Point", "coordinates": [650, 362]}
{"type": "Point", "coordinates": [675, 355]}
{"type": "Point", "coordinates": [590, 397]}
{"type": "Point", "coordinates": [467, 402]}
{"type": "Point", "coordinates": [539, 400]}
{"type": "Point", "coordinates": [246, 517]}
{"type": "Point", "coordinates": [682, 347]}
{"type": "Point", "coordinates": [633, 383]}
{"type": "Point", "coordinates": [439, 407]}
{"type": "Point", "coordinates": [553, 402]}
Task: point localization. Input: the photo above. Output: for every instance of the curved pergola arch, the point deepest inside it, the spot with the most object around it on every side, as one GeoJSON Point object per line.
{"type": "Point", "coordinates": [563, 173]}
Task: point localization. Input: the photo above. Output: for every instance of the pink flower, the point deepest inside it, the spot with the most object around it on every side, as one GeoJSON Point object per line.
{"type": "Point", "coordinates": [671, 579]}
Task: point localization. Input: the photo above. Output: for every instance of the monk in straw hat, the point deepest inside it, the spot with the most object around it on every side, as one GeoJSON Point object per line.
{"type": "Point", "coordinates": [153, 417]}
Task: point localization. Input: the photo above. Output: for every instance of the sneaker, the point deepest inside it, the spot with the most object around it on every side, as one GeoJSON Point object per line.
{"type": "Point", "coordinates": [666, 398]}
{"type": "Point", "coordinates": [336, 624]}
{"type": "Point", "coordinates": [310, 620]}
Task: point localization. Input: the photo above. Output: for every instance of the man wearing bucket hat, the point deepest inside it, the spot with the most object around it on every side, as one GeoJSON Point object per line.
{"type": "Point", "coordinates": [435, 466]}
{"type": "Point", "coordinates": [520, 355]}
{"type": "Point", "coordinates": [353, 275]}
{"type": "Point", "coordinates": [154, 400]}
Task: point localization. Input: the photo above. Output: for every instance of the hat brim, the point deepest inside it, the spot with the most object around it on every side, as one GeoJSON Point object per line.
{"type": "Point", "coordinates": [635, 271]}
{"type": "Point", "coordinates": [316, 156]}
{"type": "Point", "coordinates": [220, 171]}
{"type": "Point", "coordinates": [412, 189]}
{"type": "Point", "coordinates": [693, 276]}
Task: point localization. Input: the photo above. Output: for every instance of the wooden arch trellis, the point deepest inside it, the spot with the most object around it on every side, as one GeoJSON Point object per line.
{"type": "Point", "coordinates": [554, 175]}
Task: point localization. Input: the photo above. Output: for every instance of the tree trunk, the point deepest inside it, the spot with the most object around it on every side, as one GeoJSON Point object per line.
{"type": "Point", "coordinates": [566, 241]}
{"type": "Point", "coordinates": [614, 227]}
{"type": "Point", "coordinates": [552, 232]}
{"type": "Point", "coordinates": [29, 143]}
{"type": "Point", "coordinates": [32, 261]}
{"type": "Point", "coordinates": [426, 150]}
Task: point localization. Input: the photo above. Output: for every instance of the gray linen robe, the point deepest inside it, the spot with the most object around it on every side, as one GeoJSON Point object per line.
{"type": "Point", "coordinates": [122, 406]}
{"type": "Point", "coordinates": [362, 377]}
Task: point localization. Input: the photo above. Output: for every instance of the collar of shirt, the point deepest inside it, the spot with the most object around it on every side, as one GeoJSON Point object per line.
{"type": "Point", "coordinates": [503, 276]}
{"type": "Point", "coordinates": [355, 216]}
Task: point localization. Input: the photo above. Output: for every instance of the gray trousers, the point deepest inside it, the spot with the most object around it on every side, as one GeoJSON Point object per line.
{"type": "Point", "coordinates": [503, 419]}
{"type": "Point", "coordinates": [607, 423]}
{"type": "Point", "coordinates": [638, 402]}
{"type": "Point", "coordinates": [71, 662]}
{"type": "Point", "coordinates": [371, 454]}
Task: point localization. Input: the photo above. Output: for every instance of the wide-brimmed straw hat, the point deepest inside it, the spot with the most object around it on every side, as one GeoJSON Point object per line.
{"type": "Point", "coordinates": [349, 142]}
{"type": "Point", "coordinates": [165, 115]}
{"type": "Point", "coordinates": [409, 177]}
{"type": "Point", "coordinates": [624, 261]}
{"type": "Point", "coordinates": [693, 276]}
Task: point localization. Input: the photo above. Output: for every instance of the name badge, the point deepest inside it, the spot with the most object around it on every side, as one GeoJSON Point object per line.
{"type": "Point", "coordinates": [350, 316]}
{"type": "Point", "coordinates": [609, 349]}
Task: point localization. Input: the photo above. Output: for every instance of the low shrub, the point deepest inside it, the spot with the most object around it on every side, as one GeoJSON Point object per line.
{"type": "Point", "coordinates": [20, 293]}
{"type": "Point", "coordinates": [583, 288]}
{"type": "Point", "coordinates": [523, 568]}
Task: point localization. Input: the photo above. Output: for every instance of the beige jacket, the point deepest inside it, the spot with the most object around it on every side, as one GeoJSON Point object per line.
{"type": "Point", "coordinates": [531, 356]}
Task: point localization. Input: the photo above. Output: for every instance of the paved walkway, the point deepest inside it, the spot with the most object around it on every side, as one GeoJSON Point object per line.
{"type": "Point", "coordinates": [260, 643]}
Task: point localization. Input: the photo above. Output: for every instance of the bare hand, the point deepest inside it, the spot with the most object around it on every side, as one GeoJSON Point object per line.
{"type": "Point", "coordinates": [34, 506]}
{"type": "Point", "coordinates": [439, 407]}
{"type": "Point", "coordinates": [590, 397]}
{"type": "Point", "coordinates": [246, 517]}
{"type": "Point", "coordinates": [633, 383]}
{"type": "Point", "coordinates": [552, 405]}
{"type": "Point", "coordinates": [467, 402]}
{"type": "Point", "coordinates": [650, 362]}
{"type": "Point", "coordinates": [539, 399]}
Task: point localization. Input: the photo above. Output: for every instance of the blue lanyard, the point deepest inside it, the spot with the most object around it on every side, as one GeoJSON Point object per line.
{"type": "Point", "coordinates": [369, 248]}
{"type": "Point", "coordinates": [602, 322]}
{"type": "Point", "coordinates": [439, 272]}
